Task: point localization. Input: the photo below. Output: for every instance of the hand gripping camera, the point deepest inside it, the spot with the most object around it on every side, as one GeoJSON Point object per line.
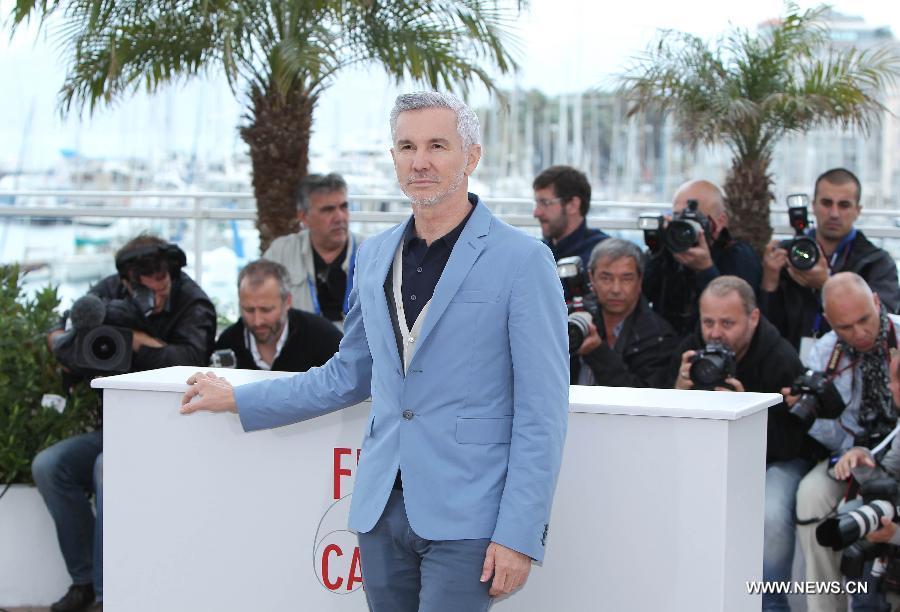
{"type": "Point", "coordinates": [711, 366]}
{"type": "Point", "coordinates": [803, 252]}
{"type": "Point", "coordinates": [819, 399]}
{"type": "Point", "coordinates": [582, 307]}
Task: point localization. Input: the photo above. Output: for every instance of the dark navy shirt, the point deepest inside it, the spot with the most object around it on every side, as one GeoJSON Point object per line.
{"type": "Point", "coordinates": [331, 284]}
{"type": "Point", "coordinates": [423, 266]}
{"type": "Point", "coordinates": [422, 269]}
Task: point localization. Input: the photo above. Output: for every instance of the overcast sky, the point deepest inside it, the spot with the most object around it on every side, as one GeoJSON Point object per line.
{"type": "Point", "coordinates": [566, 46]}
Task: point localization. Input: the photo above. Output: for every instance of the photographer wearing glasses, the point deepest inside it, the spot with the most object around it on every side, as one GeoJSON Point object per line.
{"type": "Point", "coordinates": [854, 357]}
{"type": "Point", "coordinates": [148, 315]}
{"type": "Point", "coordinates": [679, 270]}
{"type": "Point", "coordinates": [562, 199]}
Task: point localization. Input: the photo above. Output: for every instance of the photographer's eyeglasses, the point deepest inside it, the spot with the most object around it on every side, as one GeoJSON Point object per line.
{"type": "Point", "coordinates": [545, 202]}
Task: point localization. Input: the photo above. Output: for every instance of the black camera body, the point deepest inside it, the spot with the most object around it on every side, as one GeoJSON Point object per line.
{"type": "Point", "coordinates": [819, 399]}
{"type": "Point", "coordinates": [100, 340]}
{"type": "Point", "coordinates": [583, 306]}
{"type": "Point", "coordinates": [710, 366]}
{"type": "Point", "coordinates": [803, 251]}
{"type": "Point", "coordinates": [680, 234]}
{"type": "Point", "coordinates": [685, 228]}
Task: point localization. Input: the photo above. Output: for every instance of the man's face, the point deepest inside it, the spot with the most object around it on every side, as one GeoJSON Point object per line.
{"type": "Point", "coordinates": [836, 208]}
{"type": "Point", "coordinates": [854, 317]}
{"type": "Point", "coordinates": [429, 157]}
{"type": "Point", "coordinates": [160, 283]}
{"type": "Point", "coordinates": [617, 285]}
{"type": "Point", "coordinates": [723, 319]}
{"type": "Point", "coordinates": [328, 218]}
{"type": "Point", "coordinates": [552, 213]}
{"type": "Point", "coordinates": [263, 311]}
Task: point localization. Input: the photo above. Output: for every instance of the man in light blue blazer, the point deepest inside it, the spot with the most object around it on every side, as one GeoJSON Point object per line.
{"type": "Point", "coordinates": [457, 330]}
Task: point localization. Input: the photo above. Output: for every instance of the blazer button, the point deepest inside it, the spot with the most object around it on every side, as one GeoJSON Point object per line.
{"type": "Point", "coordinates": [408, 415]}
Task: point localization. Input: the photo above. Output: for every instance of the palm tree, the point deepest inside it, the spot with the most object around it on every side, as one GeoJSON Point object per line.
{"type": "Point", "coordinates": [749, 91]}
{"type": "Point", "coordinates": [280, 54]}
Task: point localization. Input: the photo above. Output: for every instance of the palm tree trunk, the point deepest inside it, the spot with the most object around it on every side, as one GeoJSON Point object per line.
{"type": "Point", "coordinates": [278, 137]}
{"type": "Point", "coordinates": [748, 193]}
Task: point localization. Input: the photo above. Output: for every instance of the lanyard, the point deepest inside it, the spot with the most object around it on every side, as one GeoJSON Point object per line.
{"type": "Point", "coordinates": [351, 271]}
{"type": "Point", "coordinates": [842, 252]}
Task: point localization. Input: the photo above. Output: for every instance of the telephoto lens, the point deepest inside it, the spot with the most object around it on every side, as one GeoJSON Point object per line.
{"type": "Point", "coordinates": [579, 329]}
{"type": "Point", "coordinates": [804, 253]}
{"type": "Point", "coordinates": [682, 234]}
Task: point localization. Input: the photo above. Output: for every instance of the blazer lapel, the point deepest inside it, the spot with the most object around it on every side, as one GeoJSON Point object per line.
{"type": "Point", "coordinates": [465, 254]}
{"type": "Point", "coordinates": [381, 268]}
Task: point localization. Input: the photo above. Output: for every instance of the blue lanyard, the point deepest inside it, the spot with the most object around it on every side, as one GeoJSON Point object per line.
{"type": "Point", "coordinates": [351, 271]}
{"type": "Point", "coordinates": [842, 251]}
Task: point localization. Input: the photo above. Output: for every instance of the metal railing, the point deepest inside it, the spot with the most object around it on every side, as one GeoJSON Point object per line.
{"type": "Point", "coordinates": [608, 215]}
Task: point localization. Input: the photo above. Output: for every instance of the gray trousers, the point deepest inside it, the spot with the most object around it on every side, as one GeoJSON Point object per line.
{"type": "Point", "coordinates": [406, 573]}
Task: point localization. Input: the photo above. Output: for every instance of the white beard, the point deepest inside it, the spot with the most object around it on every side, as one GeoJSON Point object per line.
{"type": "Point", "coordinates": [432, 200]}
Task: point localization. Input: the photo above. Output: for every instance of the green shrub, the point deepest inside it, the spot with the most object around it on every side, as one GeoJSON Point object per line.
{"type": "Point", "coordinates": [28, 370]}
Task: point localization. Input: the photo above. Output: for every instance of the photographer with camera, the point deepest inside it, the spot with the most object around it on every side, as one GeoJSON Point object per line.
{"type": "Point", "coordinates": [790, 296]}
{"type": "Point", "coordinates": [736, 349]}
{"type": "Point", "coordinates": [855, 358]}
{"type": "Point", "coordinates": [271, 335]}
{"type": "Point", "coordinates": [562, 199]}
{"type": "Point", "coordinates": [628, 345]}
{"type": "Point", "coordinates": [687, 259]}
{"type": "Point", "coordinates": [151, 315]}
{"type": "Point", "coordinates": [883, 536]}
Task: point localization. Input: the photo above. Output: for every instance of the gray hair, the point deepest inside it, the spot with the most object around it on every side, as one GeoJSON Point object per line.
{"type": "Point", "coordinates": [616, 248]}
{"type": "Point", "coordinates": [257, 271]}
{"type": "Point", "coordinates": [723, 285]}
{"type": "Point", "coordinates": [466, 120]}
{"type": "Point", "coordinates": [315, 183]}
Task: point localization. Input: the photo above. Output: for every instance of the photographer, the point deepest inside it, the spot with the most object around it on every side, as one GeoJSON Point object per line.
{"type": "Point", "coordinates": [790, 297]}
{"type": "Point", "coordinates": [861, 457]}
{"type": "Point", "coordinates": [628, 345]}
{"type": "Point", "coordinates": [855, 356]}
{"type": "Point", "coordinates": [562, 199]}
{"type": "Point", "coordinates": [674, 281]}
{"type": "Point", "coordinates": [270, 334]}
{"type": "Point", "coordinates": [760, 361]}
{"type": "Point", "coordinates": [171, 322]}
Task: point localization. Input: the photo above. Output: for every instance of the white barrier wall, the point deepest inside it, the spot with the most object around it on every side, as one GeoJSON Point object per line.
{"type": "Point", "coordinates": [32, 570]}
{"type": "Point", "coordinates": [659, 505]}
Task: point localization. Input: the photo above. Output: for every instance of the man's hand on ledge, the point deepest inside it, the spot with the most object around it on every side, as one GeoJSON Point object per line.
{"type": "Point", "coordinates": [208, 392]}
{"type": "Point", "coordinates": [509, 567]}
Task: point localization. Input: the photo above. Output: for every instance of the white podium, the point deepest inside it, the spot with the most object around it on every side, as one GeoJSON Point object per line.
{"type": "Point", "coordinates": [659, 504]}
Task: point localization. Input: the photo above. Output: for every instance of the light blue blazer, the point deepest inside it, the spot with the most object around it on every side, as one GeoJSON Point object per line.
{"type": "Point", "coordinates": [485, 395]}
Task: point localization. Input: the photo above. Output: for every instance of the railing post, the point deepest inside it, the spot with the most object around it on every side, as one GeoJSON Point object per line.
{"type": "Point", "coordinates": [198, 241]}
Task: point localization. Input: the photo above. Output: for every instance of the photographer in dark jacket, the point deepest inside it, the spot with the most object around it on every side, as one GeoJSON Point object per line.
{"type": "Point", "coordinates": [629, 345]}
{"type": "Point", "coordinates": [791, 298]}
{"type": "Point", "coordinates": [271, 335]}
{"type": "Point", "coordinates": [562, 199]}
{"type": "Point", "coordinates": [765, 363]}
{"type": "Point", "coordinates": [674, 281]}
{"type": "Point", "coordinates": [172, 322]}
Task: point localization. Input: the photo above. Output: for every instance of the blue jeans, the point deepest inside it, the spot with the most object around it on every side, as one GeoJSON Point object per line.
{"type": "Point", "coordinates": [67, 474]}
{"type": "Point", "coordinates": [406, 573]}
{"type": "Point", "coordinates": [782, 480]}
